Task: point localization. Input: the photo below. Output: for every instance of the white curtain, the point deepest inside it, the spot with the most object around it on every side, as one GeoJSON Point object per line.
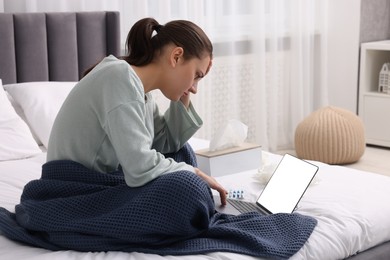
{"type": "Point", "coordinates": [269, 69]}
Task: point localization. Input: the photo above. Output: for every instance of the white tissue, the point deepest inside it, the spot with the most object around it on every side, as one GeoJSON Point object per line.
{"type": "Point", "coordinates": [267, 169]}
{"type": "Point", "coordinates": [232, 134]}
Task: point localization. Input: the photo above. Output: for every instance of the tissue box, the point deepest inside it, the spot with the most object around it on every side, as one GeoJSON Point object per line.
{"type": "Point", "coordinates": [232, 160]}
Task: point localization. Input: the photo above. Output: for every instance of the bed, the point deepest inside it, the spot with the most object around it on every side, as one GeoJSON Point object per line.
{"type": "Point", "coordinates": [43, 55]}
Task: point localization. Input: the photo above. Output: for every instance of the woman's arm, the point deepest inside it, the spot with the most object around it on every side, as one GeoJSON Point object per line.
{"type": "Point", "coordinates": [175, 127]}
{"type": "Point", "coordinates": [213, 184]}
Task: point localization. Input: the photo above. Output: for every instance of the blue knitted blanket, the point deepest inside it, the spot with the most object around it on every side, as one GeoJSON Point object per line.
{"type": "Point", "coordinates": [72, 207]}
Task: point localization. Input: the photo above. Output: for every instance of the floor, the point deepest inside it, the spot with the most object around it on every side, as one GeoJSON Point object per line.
{"type": "Point", "coordinates": [375, 159]}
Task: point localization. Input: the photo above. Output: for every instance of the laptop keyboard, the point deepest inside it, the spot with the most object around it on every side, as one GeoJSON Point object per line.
{"type": "Point", "coordinates": [244, 206]}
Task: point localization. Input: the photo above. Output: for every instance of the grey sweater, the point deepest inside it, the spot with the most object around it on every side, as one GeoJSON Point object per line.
{"type": "Point", "coordinates": [108, 120]}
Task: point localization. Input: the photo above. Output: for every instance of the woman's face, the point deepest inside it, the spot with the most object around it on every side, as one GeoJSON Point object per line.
{"type": "Point", "coordinates": [184, 77]}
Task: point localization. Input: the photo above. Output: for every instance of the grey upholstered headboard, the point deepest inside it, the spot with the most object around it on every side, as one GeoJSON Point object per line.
{"type": "Point", "coordinates": [55, 46]}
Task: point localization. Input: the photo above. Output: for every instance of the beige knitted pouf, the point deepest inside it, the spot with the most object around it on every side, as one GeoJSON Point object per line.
{"type": "Point", "coordinates": [331, 135]}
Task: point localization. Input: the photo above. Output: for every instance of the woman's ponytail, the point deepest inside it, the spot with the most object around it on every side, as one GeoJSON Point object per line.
{"type": "Point", "coordinates": [139, 42]}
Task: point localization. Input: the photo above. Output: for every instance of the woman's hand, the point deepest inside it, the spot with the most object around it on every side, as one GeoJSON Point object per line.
{"type": "Point", "coordinates": [213, 185]}
{"type": "Point", "coordinates": [185, 99]}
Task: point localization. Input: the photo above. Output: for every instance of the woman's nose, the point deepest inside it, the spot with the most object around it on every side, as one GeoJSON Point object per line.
{"type": "Point", "coordinates": [194, 88]}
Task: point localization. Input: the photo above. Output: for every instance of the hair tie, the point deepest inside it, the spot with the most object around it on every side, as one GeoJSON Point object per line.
{"type": "Point", "coordinates": [158, 28]}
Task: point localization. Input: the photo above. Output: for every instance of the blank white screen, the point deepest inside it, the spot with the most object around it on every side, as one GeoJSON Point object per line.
{"type": "Point", "coordinates": [287, 185]}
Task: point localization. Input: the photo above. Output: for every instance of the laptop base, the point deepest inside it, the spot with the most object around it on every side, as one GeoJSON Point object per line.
{"type": "Point", "coordinates": [237, 207]}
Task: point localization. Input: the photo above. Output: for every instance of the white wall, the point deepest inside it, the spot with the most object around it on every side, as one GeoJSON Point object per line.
{"type": "Point", "coordinates": [343, 52]}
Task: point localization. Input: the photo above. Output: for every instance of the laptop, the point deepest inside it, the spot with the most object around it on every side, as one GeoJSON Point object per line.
{"type": "Point", "coordinates": [281, 194]}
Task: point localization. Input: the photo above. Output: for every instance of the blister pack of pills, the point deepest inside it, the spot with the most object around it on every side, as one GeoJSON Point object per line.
{"type": "Point", "coordinates": [236, 194]}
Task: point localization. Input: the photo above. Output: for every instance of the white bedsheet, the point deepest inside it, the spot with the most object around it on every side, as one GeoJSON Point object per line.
{"type": "Point", "coordinates": [348, 204]}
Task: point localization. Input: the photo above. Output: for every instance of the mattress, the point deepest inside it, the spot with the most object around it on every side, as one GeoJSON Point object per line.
{"type": "Point", "coordinates": [347, 203]}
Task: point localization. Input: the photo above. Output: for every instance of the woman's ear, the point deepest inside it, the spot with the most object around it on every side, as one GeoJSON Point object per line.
{"type": "Point", "coordinates": [176, 54]}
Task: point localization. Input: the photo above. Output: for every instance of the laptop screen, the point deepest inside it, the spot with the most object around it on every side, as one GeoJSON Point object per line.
{"type": "Point", "coordinates": [287, 185]}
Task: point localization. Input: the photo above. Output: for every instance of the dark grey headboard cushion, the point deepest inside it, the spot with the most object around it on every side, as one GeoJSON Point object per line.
{"type": "Point", "coordinates": [55, 46]}
{"type": "Point", "coordinates": [62, 45]}
{"type": "Point", "coordinates": [31, 47]}
{"type": "Point", "coordinates": [7, 49]}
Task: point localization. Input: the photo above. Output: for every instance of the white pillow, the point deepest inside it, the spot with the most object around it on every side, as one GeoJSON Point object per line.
{"type": "Point", "coordinates": [17, 141]}
{"type": "Point", "coordinates": [19, 111]}
{"type": "Point", "coordinates": [40, 102]}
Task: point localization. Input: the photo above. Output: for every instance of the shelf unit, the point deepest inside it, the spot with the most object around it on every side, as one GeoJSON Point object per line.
{"type": "Point", "coordinates": [374, 107]}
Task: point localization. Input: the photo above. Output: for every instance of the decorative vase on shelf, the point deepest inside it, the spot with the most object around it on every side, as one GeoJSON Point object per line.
{"type": "Point", "coordinates": [384, 79]}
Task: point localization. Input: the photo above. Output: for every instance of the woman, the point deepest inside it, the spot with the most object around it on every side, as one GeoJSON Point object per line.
{"type": "Point", "coordinates": [110, 119]}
